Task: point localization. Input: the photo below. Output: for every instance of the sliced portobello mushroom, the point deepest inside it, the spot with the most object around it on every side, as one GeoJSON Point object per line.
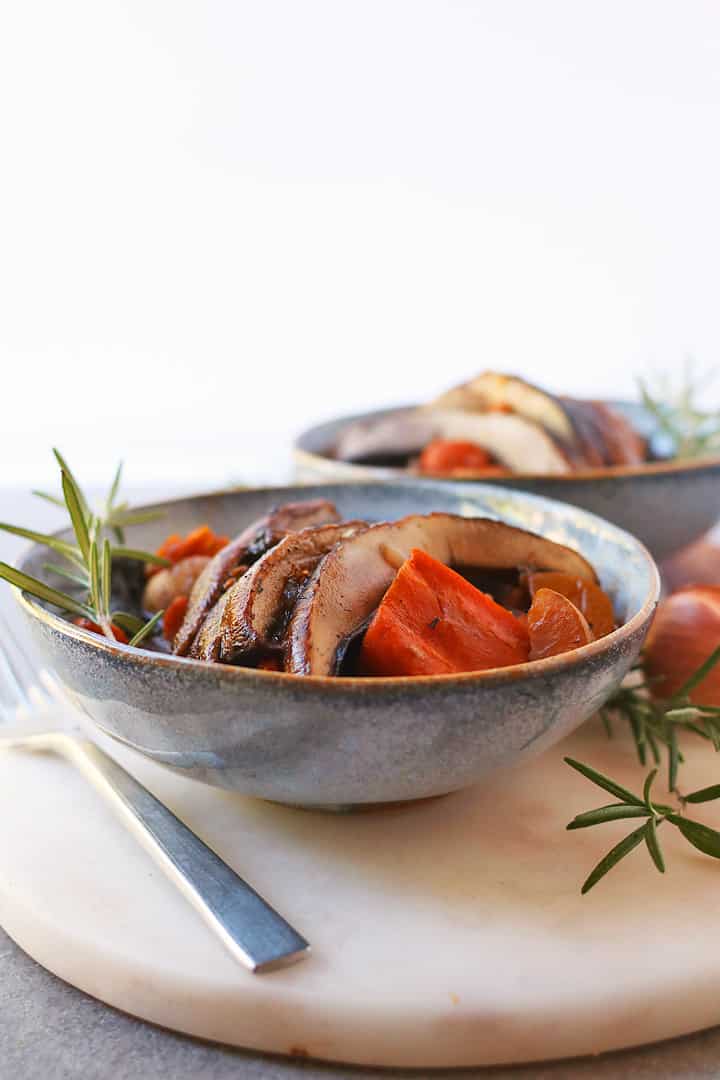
{"type": "Point", "coordinates": [252, 615]}
{"type": "Point", "coordinates": [493, 391]}
{"type": "Point", "coordinates": [607, 435]}
{"type": "Point", "coordinates": [519, 444]}
{"type": "Point", "coordinates": [351, 580]}
{"type": "Point", "coordinates": [591, 433]}
{"type": "Point", "coordinates": [515, 442]}
{"type": "Point", "coordinates": [242, 552]}
{"type": "Point", "coordinates": [401, 435]}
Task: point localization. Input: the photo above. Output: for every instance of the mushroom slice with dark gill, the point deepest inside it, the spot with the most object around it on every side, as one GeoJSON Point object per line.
{"type": "Point", "coordinates": [493, 391]}
{"type": "Point", "coordinates": [351, 580]}
{"type": "Point", "coordinates": [386, 438]}
{"type": "Point", "coordinates": [251, 617]}
{"type": "Point", "coordinates": [242, 552]}
{"type": "Point", "coordinates": [515, 442]}
{"type": "Point", "coordinates": [608, 438]}
{"type": "Point", "coordinates": [591, 433]}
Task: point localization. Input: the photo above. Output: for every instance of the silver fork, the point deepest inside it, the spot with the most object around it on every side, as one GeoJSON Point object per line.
{"type": "Point", "coordinates": [252, 931]}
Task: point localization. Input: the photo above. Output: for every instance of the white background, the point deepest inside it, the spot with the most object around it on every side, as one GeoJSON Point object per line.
{"type": "Point", "coordinates": [221, 221]}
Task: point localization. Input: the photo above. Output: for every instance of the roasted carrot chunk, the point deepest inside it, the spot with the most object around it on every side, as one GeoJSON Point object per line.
{"type": "Point", "coordinates": [555, 625]}
{"type": "Point", "coordinates": [88, 624]}
{"type": "Point", "coordinates": [444, 455]}
{"type": "Point", "coordinates": [173, 617]}
{"type": "Point", "coordinates": [586, 596]}
{"type": "Point", "coordinates": [201, 541]}
{"type": "Point", "coordinates": [432, 621]}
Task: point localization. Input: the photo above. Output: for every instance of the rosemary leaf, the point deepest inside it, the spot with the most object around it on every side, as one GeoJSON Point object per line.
{"type": "Point", "coordinates": [684, 714]}
{"type": "Point", "coordinates": [61, 546]}
{"type": "Point", "coordinates": [105, 576]}
{"type": "Point", "coordinates": [78, 518]}
{"type": "Point", "coordinates": [606, 717]}
{"type": "Point", "coordinates": [653, 845]}
{"type": "Point", "coordinates": [705, 794]}
{"type": "Point", "coordinates": [653, 746]}
{"type": "Point", "coordinates": [637, 726]}
{"type": "Point", "coordinates": [67, 471]}
{"type": "Point", "coordinates": [44, 592]}
{"type": "Point", "coordinates": [142, 556]}
{"type": "Point", "coordinates": [148, 628]}
{"type": "Point", "coordinates": [124, 518]}
{"type": "Point", "coordinates": [604, 782]}
{"type": "Point", "coordinates": [115, 487]}
{"type": "Point", "coordinates": [613, 857]}
{"type": "Point", "coordinates": [95, 591]}
{"type": "Point", "coordinates": [50, 498]}
{"type": "Point", "coordinates": [77, 577]}
{"type": "Point", "coordinates": [614, 812]}
{"type": "Point", "coordinates": [127, 622]}
{"type": "Point", "coordinates": [646, 788]}
{"type": "Point", "coordinates": [697, 730]}
{"type": "Point", "coordinates": [674, 757]}
{"type": "Point", "coordinates": [700, 836]}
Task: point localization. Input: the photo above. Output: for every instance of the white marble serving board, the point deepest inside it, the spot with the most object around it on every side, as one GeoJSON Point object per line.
{"type": "Point", "coordinates": [450, 932]}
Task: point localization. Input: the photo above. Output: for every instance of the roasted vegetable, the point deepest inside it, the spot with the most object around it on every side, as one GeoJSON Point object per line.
{"type": "Point", "coordinates": [173, 617]}
{"type": "Point", "coordinates": [252, 615]}
{"type": "Point", "coordinates": [351, 580]}
{"type": "Point", "coordinates": [555, 625]}
{"type": "Point", "coordinates": [432, 621]}
{"type": "Point", "coordinates": [588, 597]}
{"type": "Point", "coordinates": [445, 456]}
{"type": "Point", "coordinates": [242, 552]}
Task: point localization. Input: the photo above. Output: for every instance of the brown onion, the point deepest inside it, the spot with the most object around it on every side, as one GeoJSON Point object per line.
{"type": "Point", "coordinates": [166, 585]}
{"type": "Point", "coordinates": [686, 629]}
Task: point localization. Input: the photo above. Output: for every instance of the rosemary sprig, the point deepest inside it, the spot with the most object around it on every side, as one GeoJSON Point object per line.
{"type": "Point", "coordinates": [654, 724]}
{"type": "Point", "coordinates": [88, 561]}
{"type": "Point", "coordinates": [688, 430]}
{"type": "Point", "coordinates": [700, 836]}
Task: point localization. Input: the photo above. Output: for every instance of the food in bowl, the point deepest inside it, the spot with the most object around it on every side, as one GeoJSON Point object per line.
{"type": "Point", "coordinates": [517, 435]}
{"type": "Point", "coordinates": [301, 591]}
{"type": "Point", "coordinates": [497, 425]}
{"type": "Point", "coordinates": [304, 591]}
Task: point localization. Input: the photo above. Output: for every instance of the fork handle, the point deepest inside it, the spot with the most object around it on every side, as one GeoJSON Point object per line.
{"type": "Point", "coordinates": [248, 926]}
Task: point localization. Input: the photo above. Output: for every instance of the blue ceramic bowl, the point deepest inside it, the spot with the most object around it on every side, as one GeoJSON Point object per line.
{"type": "Point", "coordinates": [346, 741]}
{"type": "Point", "coordinates": [666, 504]}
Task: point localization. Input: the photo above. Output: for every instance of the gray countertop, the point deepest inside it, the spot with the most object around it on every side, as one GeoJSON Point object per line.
{"type": "Point", "coordinates": [50, 1031]}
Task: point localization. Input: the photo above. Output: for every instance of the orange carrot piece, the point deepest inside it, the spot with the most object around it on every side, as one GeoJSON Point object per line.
{"type": "Point", "coordinates": [432, 621]}
{"type": "Point", "coordinates": [88, 624]}
{"type": "Point", "coordinates": [446, 455]}
{"type": "Point", "coordinates": [201, 541]}
{"type": "Point", "coordinates": [173, 617]}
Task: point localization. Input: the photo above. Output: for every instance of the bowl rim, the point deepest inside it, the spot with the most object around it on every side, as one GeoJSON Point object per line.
{"type": "Point", "coordinates": [315, 459]}
{"type": "Point", "coordinates": [307, 683]}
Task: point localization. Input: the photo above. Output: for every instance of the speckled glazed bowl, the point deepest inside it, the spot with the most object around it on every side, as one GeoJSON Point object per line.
{"type": "Point", "coordinates": [342, 741]}
{"type": "Point", "coordinates": [666, 504]}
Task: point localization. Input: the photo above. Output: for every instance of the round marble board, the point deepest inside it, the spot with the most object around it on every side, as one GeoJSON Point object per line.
{"type": "Point", "coordinates": [445, 933]}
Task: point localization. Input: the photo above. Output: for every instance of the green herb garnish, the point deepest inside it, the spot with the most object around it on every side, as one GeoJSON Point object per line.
{"type": "Point", "coordinates": [688, 430]}
{"type": "Point", "coordinates": [635, 806]}
{"type": "Point", "coordinates": [654, 725]}
{"type": "Point", "coordinates": [88, 560]}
